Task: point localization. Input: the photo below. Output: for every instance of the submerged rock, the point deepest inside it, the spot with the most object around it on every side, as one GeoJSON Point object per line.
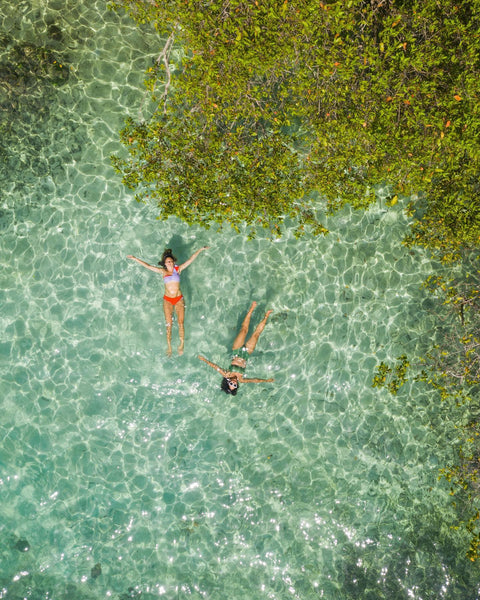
{"type": "Point", "coordinates": [55, 33]}
{"type": "Point", "coordinates": [96, 571]}
{"type": "Point", "coordinates": [22, 545]}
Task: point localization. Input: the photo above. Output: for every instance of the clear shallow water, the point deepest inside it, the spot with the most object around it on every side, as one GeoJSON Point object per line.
{"type": "Point", "coordinates": [111, 454]}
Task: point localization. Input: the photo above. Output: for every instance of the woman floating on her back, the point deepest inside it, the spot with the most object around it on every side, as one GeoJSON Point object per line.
{"type": "Point", "coordinates": [172, 298]}
{"type": "Point", "coordinates": [241, 353]}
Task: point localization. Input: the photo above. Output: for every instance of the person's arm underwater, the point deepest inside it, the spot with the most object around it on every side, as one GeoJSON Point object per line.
{"type": "Point", "coordinates": [191, 259]}
{"type": "Point", "coordinates": [213, 365]}
{"type": "Point", "coordinates": [146, 265]}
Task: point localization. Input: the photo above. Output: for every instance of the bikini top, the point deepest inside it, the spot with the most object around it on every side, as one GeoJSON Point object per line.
{"type": "Point", "coordinates": [174, 277]}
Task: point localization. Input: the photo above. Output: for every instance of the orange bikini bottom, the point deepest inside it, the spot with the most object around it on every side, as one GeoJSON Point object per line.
{"type": "Point", "coordinates": [173, 300]}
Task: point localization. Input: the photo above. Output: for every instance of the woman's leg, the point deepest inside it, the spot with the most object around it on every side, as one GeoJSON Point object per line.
{"type": "Point", "coordinates": [242, 334]}
{"type": "Point", "coordinates": [252, 342]}
{"type": "Point", "coordinates": [168, 311]}
{"type": "Point", "coordinates": [180, 310]}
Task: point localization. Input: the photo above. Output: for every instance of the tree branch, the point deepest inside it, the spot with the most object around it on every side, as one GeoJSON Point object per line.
{"type": "Point", "coordinates": [163, 57]}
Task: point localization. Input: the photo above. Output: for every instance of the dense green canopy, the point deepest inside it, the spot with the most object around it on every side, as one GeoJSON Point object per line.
{"type": "Point", "coordinates": [262, 103]}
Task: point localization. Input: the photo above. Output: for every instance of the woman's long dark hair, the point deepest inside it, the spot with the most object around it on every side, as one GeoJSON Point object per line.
{"type": "Point", "coordinates": [166, 254]}
{"type": "Point", "coordinates": [226, 388]}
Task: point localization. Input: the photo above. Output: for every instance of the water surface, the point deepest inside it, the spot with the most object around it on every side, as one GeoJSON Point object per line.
{"type": "Point", "coordinates": [123, 472]}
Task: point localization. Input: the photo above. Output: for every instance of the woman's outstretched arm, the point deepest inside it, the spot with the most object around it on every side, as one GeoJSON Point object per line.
{"type": "Point", "coordinates": [243, 380]}
{"type": "Point", "coordinates": [146, 265]}
{"type": "Point", "coordinates": [213, 365]}
{"type": "Point", "coordinates": [192, 258]}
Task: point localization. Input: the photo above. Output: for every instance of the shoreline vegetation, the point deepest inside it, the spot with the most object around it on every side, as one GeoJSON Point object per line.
{"type": "Point", "coordinates": [259, 110]}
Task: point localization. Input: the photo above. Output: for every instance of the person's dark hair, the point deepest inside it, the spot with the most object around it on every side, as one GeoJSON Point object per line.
{"type": "Point", "coordinates": [226, 388]}
{"type": "Point", "coordinates": [166, 254]}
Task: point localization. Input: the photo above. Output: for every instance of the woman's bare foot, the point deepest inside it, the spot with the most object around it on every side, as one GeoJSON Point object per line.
{"type": "Point", "coordinates": [180, 349]}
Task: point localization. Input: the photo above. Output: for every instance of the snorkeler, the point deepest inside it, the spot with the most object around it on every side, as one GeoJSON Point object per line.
{"type": "Point", "coordinates": [172, 298]}
{"type": "Point", "coordinates": [241, 352]}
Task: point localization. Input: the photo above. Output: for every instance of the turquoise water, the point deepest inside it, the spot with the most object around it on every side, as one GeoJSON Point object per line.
{"type": "Point", "coordinates": [124, 473]}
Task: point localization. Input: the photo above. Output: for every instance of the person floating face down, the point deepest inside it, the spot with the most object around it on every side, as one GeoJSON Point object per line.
{"type": "Point", "coordinates": [241, 352]}
{"type": "Point", "coordinates": [172, 299]}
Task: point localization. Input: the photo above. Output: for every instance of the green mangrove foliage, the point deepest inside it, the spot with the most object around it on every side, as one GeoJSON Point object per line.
{"type": "Point", "coordinates": [393, 378]}
{"type": "Point", "coordinates": [456, 357]}
{"type": "Point", "coordinates": [452, 367]}
{"type": "Point", "coordinates": [25, 66]}
{"type": "Point", "coordinates": [267, 101]}
{"type": "Point", "coordinates": [29, 73]}
{"type": "Point", "coordinates": [464, 478]}
{"type": "Point", "coordinates": [448, 222]}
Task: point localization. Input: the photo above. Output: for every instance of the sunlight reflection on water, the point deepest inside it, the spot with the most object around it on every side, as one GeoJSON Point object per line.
{"type": "Point", "coordinates": [112, 454]}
